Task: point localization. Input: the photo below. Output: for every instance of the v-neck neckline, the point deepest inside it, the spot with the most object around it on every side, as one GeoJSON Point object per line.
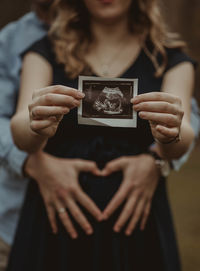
{"type": "Point", "coordinates": [127, 70]}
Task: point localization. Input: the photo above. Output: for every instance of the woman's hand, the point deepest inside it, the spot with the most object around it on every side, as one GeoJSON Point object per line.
{"type": "Point", "coordinates": [163, 111]}
{"type": "Point", "coordinates": [140, 179]}
{"type": "Point", "coordinates": [48, 107]}
{"type": "Point", "coordinates": [58, 183]}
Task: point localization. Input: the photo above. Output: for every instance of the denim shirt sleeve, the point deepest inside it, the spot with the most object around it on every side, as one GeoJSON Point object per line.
{"type": "Point", "coordinates": [195, 123]}
{"type": "Point", "coordinates": [13, 40]}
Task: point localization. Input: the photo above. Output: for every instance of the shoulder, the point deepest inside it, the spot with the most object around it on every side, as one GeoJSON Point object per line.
{"type": "Point", "coordinates": [20, 34]}
{"type": "Point", "coordinates": [10, 29]}
{"type": "Point", "coordinates": [177, 56]}
{"type": "Point", "coordinates": [44, 48]}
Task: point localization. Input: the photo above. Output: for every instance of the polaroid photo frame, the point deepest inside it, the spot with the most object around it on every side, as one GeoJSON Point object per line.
{"type": "Point", "coordinates": [107, 101]}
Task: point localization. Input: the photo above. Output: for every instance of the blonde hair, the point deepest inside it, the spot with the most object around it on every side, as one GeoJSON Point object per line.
{"type": "Point", "coordinates": [71, 36]}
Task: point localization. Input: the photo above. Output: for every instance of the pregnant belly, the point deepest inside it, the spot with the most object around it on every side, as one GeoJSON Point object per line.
{"type": "Point", "coordinates": [100, 189]}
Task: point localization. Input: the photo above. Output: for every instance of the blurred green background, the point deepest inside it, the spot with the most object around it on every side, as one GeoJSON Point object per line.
{"type": "Point", "coordinates": [184, 186]}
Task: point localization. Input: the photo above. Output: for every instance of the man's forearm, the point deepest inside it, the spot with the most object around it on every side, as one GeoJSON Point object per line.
{"type": "Point", "coordinates": [10, 156]}
{"type": "Point", "coordinates": [23, 136]}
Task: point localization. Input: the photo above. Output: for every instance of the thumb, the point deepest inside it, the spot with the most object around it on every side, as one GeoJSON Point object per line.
{"type": "Point", "coordinates": [113, 166]}
{"type": "Point", "coordinates": [87, 166]}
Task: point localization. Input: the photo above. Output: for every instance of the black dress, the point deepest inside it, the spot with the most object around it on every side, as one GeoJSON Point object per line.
{"type": "Point", "coordinates": [37, 249]}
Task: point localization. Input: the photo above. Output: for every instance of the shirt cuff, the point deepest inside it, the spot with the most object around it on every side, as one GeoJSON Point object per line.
{"type": "Point", "coordinates": [16, 160]}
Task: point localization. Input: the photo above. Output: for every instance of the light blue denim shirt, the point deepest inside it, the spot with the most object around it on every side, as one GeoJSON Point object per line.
{"type": "Point", "coordinates": [15, 38]}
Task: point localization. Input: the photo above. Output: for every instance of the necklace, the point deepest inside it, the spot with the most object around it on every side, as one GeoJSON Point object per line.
{"type": "Point", "coordinates": [106, 65]}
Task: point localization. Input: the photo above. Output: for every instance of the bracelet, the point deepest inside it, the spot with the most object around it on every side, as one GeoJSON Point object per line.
{"type": "Point", "coordinates": [163, 165]}
{"type": "Point", "coordinates": [176, 139]}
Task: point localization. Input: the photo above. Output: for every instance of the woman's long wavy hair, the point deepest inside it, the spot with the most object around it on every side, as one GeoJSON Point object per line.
{"type": "Point", "coordinates": [71, 36]}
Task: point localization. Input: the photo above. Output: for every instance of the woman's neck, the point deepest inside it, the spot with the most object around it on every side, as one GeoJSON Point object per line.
{"type": "Point", "coordinates": [110, 33]}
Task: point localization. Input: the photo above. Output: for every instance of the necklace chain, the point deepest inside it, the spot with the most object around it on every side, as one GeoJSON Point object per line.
{"type": "Point", "coordinates": [105, 65]}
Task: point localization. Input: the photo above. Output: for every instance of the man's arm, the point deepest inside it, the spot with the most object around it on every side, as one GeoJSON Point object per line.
{"type": "Point", "coordinates": [10, 65]}
{"type": "Point", "coordinates": [195, 123]}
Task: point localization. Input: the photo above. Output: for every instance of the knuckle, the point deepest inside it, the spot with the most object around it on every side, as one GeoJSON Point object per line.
{"type": "Point", "coordinates": [158, 95]}
{"type": "Point", "coordinates": [66, 111]}
{"type": "Point", "coordinates": [166, 107]}
{"type": "Point", "coordinates": [71, 188]}
{"type": "Point", "coordinates": [36, 111]}
{"type": "Point", "coordinates": [130, 186]}
{"type": "Point", "coordinates": [181, 113]}
{"type": "Point", "coordinates": [63, 217]}
{"type": "Point", "coordinates": [58, 87]}
{"type": "Point", "coordinates": [48, 203]}
{"type": "Point", "coordinates": [33, 126]}
{"type": "Point", "coordinates": [177, 100]}
{"type": "Point", "coordinates": [30, 106]}
{"type": "Point", "coordinates": [171, 119]}
{"type": "Point", "coordinates": [76, 214]}
{"type": "Point", "coordinates": [146, 212]}
{"type": "Point", "coordinates": [48, 98]}
{"type": "Point", "coordinates": [35, 93]}
{"type": "Point", "coordinates": [120, 197]}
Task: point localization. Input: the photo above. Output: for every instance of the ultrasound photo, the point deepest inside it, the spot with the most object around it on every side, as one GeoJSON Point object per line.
{"type": "Point", "coordinates": [107, 101]}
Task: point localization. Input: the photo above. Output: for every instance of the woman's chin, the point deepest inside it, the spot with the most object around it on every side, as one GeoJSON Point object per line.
{"type": "Point", "coordinates": [108, 11]}
{"type": "Point", "coordinates": [108, 17]}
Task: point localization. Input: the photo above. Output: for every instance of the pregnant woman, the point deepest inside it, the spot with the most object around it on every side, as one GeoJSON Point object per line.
{"type": "Point", "coordinates": [104, 211]}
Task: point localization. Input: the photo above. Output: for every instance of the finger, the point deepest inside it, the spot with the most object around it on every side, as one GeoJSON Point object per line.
{"type": "Point", "coordinates": [161, 118]}
{"type": "Point", "coordinates": [156, 96]}
{"type": "Point", "coordinates": [42, 124]}
{"type": "Point", "coordinates": [113, 166]}
{"type": "Point", "coordinates": [78, 216]}
{"type": "Point", "coordinates": [87, 166]}
{"type": "Point", "coordinates": [168, 132]}
{"type": "Point", "coordinates": [47, 111]}
{"type": "Point", "coordinates": [56, 100]}
{"type": "Point", "coordinates": [64, 217]}
{"type": "Point", "coordinates": [157, 106]}
{"type": "Point", "coordinates": [145, 215]}
{"type": "Point", "coordinates": [88, 203]}
{"type": "Point", "coordinates": [136, 216]}
{"type": "Point", "coordinates": [126, 212]}
{"type": "Point", "coordinates": [59, 89]}
{"type": "Point", "coordinates": [116, 201]}
{"type": "Point", "coordinates": [52, 218]}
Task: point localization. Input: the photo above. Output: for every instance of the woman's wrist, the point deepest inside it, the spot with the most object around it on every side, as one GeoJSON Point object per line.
{"type": "Point", "coordinates": [175, 139]}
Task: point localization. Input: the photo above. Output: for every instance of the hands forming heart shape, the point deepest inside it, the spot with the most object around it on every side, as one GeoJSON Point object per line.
{"type": "Point", "coordinates": [59, 186]}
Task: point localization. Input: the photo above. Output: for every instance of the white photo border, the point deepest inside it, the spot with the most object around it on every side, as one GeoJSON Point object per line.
{"type": "Point", "coordinates": [105, 121]}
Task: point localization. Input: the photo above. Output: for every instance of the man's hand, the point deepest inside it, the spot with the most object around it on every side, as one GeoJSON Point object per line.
{"type": "Point", "coordinates": [58, 183]}
{"type": "Point", "coordinates": [140, 179]}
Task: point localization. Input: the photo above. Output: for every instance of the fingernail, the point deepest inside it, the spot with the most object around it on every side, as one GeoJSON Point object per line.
{"type": "Point", "coordinates": [103, 172]}
{"type": "Point", "coordinates": [142, 114]}
{"type": "Point", "coordinates": [74, 235]}
{"type": "Point", "coordinates": [98, 172]}
{"type": "Point", "coordinates": [89, 231]}
{"type": "Point", "coordinates": [105, 216]}
{"type": "Point", "coordinates": [100, 217]}
{"type": "Point", "coordinates": [81, 94]}
{"type": "Point", "coordinates": [134, 100]}
{"type": "Point", "coordinates": [128, 233]}
{"type": "Point", "coordinates": [116, 229]}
